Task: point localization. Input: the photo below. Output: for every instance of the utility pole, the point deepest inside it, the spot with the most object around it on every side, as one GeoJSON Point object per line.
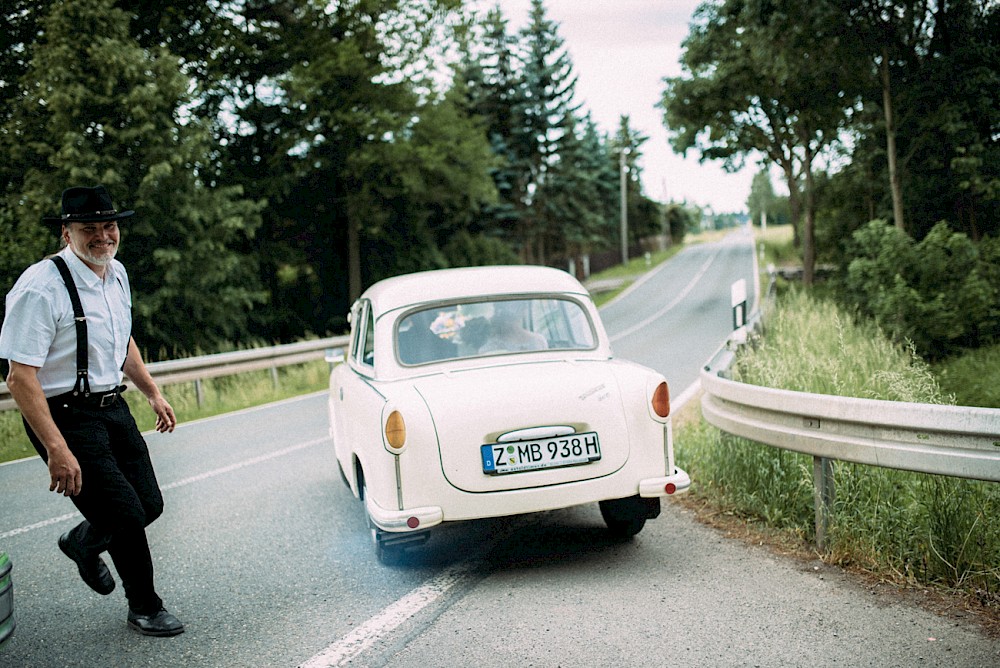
{"type": "Point", "coordinates": [623, 169]}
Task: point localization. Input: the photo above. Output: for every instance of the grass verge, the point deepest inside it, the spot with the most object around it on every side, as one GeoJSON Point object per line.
{"type": "Point", "coordinates": [219, 395]}
{"type": "Point", "coordinates": [906, 528]}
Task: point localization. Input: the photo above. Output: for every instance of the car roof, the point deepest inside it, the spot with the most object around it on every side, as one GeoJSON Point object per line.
{"type": "Point", "coordinates": [456, 284]}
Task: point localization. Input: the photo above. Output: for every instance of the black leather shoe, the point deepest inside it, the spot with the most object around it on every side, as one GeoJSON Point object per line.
{"type": "Point", "coordinates": [160, 624]}
{"type": "Point", "coordinates": [93, 570]}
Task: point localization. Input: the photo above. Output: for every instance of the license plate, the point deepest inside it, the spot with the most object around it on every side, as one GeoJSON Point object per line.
{"type": "Point", "coordinates": [545, 453]}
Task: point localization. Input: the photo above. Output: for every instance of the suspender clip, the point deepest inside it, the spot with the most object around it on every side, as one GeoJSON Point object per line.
{"type": "Point", "coordinates": [82, 375]}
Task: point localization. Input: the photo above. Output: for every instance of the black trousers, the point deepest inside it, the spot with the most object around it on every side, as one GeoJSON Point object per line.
{"type": "Point", "coordinates": [119, 497]}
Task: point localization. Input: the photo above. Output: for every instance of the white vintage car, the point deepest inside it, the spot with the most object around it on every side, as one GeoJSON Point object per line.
{"type": "Point", "coordinates": [493, 391]}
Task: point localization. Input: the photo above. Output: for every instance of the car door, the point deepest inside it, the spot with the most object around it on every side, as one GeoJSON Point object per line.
{"type": "Point", "coordinates": [358, 412]}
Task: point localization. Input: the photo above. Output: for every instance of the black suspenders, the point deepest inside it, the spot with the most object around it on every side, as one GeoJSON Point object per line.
{"type": "Point", "coordinates": [80, 319]}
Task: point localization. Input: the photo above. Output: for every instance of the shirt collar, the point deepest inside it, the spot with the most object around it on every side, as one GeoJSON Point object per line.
{"type": "Point", "coordinates": [81, 272]}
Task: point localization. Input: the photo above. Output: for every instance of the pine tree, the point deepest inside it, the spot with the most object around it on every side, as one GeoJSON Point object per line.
{"type": "Point", "coordinates": [575, 194]}
{"type": "Point", "coordinates": [497, 94]}
{"type": "Point", "coordinates": [104, 110]}
{"type": "Point", "coordinates": [550, 89]}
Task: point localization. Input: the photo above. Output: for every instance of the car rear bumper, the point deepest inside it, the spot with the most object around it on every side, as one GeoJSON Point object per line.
{"type": "Point", "coordinates": [477, 506]}
{"type": "Point", "coordinates": [408, 519]}
{"type": "Point", "coordinates": [667, 485]}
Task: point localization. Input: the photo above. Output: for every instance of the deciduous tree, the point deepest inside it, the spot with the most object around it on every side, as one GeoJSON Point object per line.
{"type": "Point", "coordinates": [762, 78]}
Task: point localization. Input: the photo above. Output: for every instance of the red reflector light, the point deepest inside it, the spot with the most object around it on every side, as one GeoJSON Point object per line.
{"type": "Point", "coordinates": [670, 488]}
{"type": "Point", "coordinates": [661, 400]}
{"type": "Point", "coordinates": [413, 522]}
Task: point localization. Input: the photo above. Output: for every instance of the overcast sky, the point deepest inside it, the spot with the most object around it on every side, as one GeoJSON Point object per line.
{"type": "Point", "coordinates": [621, 51]}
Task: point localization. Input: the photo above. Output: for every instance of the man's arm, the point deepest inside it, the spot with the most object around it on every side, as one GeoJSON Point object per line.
{"type": "Point", "coordinates": [64, 470]}
{"type": "Point", "coordinates": [136, 370]}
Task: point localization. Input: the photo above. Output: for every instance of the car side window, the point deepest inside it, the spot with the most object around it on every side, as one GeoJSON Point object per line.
{"type": "Point", "coordinates": [363, 341]}
{"type": "Point", "coordinates": [356, 329]}
{"type": "Point", "coordinates": [368, 358]}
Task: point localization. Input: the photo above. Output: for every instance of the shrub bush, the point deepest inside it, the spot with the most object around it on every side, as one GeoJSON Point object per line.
{"type": "Point", "coordinates": [941, 293]}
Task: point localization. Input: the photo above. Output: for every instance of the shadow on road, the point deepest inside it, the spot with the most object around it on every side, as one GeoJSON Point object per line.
{"type": "Point", "coordinates": [522, 542]}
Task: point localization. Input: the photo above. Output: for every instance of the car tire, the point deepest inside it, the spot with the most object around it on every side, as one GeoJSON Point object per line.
{"type": "Point", "coordinates": [388, 556]}
{"type": "Point", "coordinates": [625, 529]}
{"type": "Point", "coordinates": [627, 517]}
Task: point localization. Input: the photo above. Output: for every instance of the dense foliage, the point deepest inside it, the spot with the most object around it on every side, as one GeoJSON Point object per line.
{"type": "Point", "coordinates": [871, 109]}
{"type": "Point", "coordinates": [939, 293]}
{"type": "Point", "coordinates": [284, 154]}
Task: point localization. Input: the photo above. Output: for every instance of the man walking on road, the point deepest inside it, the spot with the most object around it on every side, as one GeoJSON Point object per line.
{"type": "Point", "coordinates": [67, 337]}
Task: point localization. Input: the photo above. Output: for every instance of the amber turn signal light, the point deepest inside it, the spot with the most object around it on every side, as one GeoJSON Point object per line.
{"type": "Point", "coordinates": [395, 430]}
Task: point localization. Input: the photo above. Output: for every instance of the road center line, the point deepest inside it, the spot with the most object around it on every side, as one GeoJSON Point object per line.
{"type": "Point", "coordinates": [391, 617]}
{"type": "Point", "coordinates": [179, 483]}
{"type": "Point", "coordinates": [247, 462]}
{"type": "Point", "coordinates": [680, 296]}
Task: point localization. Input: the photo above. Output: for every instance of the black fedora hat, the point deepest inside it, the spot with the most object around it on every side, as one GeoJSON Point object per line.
{"type": "Point", "coordinates": [81, 205]}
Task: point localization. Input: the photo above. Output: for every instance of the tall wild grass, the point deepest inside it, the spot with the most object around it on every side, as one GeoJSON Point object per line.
{"type": "Point", "coordinates": [917, 527]}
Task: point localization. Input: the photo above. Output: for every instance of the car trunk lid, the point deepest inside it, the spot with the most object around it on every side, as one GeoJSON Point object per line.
{"type": "Point", "coordinates": [520, 405]}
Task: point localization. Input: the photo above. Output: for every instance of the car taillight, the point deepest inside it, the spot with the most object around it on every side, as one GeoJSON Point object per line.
{"type": "Point", "coordinates": [395, 430]}
{"type": "Point", "coordinates": [661, 400]}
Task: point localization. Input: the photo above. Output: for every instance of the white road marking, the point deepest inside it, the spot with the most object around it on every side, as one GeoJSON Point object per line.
{"type": "Point", "coordinates": [244, 464]}
{"type": "Point", "coordinates": [680, 296]}
{"type": "Point", "coordinates": [178, 483]}
{"type": "Point", "coordinates": [391, 617]}
{"type": "Point", "coordinates": [38, 525]}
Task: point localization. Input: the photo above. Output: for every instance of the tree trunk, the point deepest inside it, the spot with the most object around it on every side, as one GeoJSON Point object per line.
{"type": "Point", "coordinates": [794, 203]}
{"type": "Point", "coordinates": [809, 228]}
{"type": "Point", "coordinates": [890, 143]}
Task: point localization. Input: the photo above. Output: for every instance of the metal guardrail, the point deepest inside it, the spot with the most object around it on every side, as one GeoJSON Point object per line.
{"type": "Point", "coordinates": [204, 367]}
{"type": "Point", "coordinates": [946, 440]}
{"type": "Point", "coordinates": [956, 441]}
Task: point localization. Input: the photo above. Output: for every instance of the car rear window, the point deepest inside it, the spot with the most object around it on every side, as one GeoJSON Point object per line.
{"type": "Point", "coordinates": [493, 327]}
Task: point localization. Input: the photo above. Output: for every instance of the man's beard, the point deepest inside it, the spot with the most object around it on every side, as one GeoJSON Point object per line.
{"type": "Point", "coordinates": [100, 260]}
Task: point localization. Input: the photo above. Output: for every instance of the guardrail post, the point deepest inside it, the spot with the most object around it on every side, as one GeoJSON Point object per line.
{"type": "Point", "coordinates": [274, 377]}
{"type": "Point", "coordinates": [199, 393]}
{"type": "Point", "coordinates": [823, 496]}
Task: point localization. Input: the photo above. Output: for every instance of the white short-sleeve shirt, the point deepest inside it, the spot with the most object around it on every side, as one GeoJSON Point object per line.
{"type": "Point", "coordinates": [39, 329]}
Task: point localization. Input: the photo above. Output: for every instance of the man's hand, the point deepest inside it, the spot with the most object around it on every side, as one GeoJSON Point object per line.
{"type": "Point", "coordinates": [65, 473]}
{"type": "Point", "coordinates": [137, 372]}
{"type": "Point", "coordinates": [165, 418]}
{"type": "Point", "coordinates": [64, 470]}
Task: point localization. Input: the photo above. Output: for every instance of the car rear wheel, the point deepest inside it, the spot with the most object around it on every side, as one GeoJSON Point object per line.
{"type": "Point", "coordinates": [388, 547]}
{"type": "Point", "coordinates": [385, 554]}
{"type": "Point", "coordinates": [626, 517]}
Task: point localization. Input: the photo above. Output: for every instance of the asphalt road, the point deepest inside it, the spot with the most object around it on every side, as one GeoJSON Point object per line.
{"type": "Point", "coordinates": [262, 552]}
{"type": "Point", "coordinates": [678, 315]}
